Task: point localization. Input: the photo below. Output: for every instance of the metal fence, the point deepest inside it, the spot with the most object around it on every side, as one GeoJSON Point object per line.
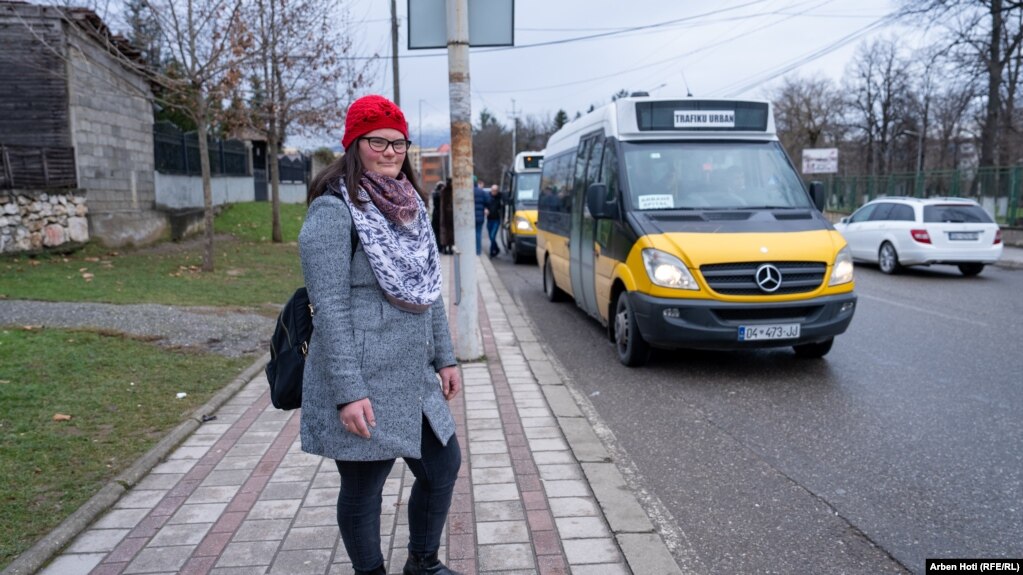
{"type": "Point", "coordinates": [998, 189]}
{"type": "Point", "coordinates": [295, 169]}
{"type": "Point", "coordinates": [177, 152]}
{"type": "Point", "coordinates": [37, 167]}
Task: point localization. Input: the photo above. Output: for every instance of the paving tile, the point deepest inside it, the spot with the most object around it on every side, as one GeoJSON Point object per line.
{"type": "Point", "coordinates": [489, 447]}
{"type": "Point", "coordinates": [98, 540]}
{"type": "Point", "coordinates": [582, 527]}
{"type": "Point", "coordinates": [307, 562]}
{"type": "Point", "coordinates": [491, 532]}
{"type": "Point", "coordinates": [175, 466]}
{"type": "Point", "coordinates": [262, 530]}
{"type": "Point", "coordinates": [316, 517]}
{"type": "Point", "coordinates": [495, 492]}
{"type": "Point", "coordinates": [506, 557]}
{"type": "Point", "coordinates": [214, 494]}
{"type": "Point", "coordinates": [489, 460]}
{"type": "Point", "coordinates": [583, 551]}
{"type": "Point", "coordinates": [245, 554]}
{"type": "Point", "coordinates": [278, 509]}
{"type": "Point", "coordinates": [198, 513]}
{"type": "Point", "coordinates": [248, 462]}
{"type": "Point", "coordinates": [159, 559]}
{"type": "Point", "coordinates": [183, 534]}
{"type": "Point", "coordinates": [486, 435]}
{"type": "Point", "coordinates": [227, 477]}
{"type": "Point", "coordinates": [574, 507]}
{"type": "Point", "coordinates": [601, 569]}
{"type": "Point", "coordinates": [548, 444]}
{"type": "Point", "coordinates": [159, 481]}
{"type": "Point", "coordinates": [566, 488]}
{"type": "Point", "coordinates": [493, 475]}
{"type": "Point", "coordinates": [554, 457]}
{"type": "Point", "coordinates": [73, 564]}
{"type": "Point", "coordinates": [542, 432]}
{"type": "Point", "coordinates": [121, 518]}
{"type": "Point", "coordinates": [284, 490]}
{"type": "Point", "coordinates": [560, 471]}
{"type": "Point", "coordinates": [304, 473]}
{"type": "Point", "coordinates": [310, 538]}
{"type": "Point", "coordinates": [322, 497]}
{"type": "Point", "coordinates": [499, 510]}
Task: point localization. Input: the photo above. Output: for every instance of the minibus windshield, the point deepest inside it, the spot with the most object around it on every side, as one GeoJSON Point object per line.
{"type": "Point", "coordinates": [711, 175]}
{"type": "Point", "coordinates": [527, 189]}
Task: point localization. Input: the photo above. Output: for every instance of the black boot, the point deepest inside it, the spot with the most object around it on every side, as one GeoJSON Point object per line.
{"type": "Point", "coordinates": [426, 565]}
{"type": "Point", "coordinates": [378, 571]}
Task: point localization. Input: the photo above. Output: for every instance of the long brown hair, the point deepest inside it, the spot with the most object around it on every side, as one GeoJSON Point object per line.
{"type": "Point", "coordinates": [349, 168]}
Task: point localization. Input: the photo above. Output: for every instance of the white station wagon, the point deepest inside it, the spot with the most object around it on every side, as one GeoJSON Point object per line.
{"type": "Point", "coordinates": [896, 231]}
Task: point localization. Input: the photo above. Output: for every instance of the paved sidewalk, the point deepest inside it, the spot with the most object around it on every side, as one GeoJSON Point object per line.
{"type": "Point", "coordinates": [537, 492]}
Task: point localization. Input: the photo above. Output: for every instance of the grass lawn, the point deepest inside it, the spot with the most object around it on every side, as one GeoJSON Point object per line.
{"type": "Point", "coordinates": [250, 270]}
{"type": "Point", "coordinates": [121, 396]}
{"type": "Point", "coordinates": [120, 392]}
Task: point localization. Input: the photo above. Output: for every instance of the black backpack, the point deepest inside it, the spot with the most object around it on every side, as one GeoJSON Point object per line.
{"type": "Point", "coordinates": [289, 346]}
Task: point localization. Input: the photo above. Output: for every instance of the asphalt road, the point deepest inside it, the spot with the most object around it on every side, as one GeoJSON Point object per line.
{"type": "Point", "coordinates": [904, 443]}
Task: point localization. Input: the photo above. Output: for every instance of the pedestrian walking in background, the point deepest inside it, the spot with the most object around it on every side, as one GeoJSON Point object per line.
{"type": "Point", "coordinates": [447, 218]}
{"type": "Point", "coordinates": [493, 213]}
{"type": "Point", "coordinates": [480, 197]}
{"type": "Point", "coordinates": [370, 389]}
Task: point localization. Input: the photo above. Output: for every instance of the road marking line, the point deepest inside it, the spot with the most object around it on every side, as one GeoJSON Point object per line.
{"type": "Point", "coordinates": [925, 310]}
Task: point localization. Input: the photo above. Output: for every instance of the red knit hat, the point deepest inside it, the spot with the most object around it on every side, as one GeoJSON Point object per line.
{"type": "Point", "coordinates": [372, 113]}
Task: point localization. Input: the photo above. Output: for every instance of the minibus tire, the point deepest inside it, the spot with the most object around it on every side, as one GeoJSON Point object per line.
{"type": "Point", "coordinates": [633, 350]}
{"type": "Point", "coordinates": [550, 287]}
{"type": "Point", "coordinates": [814, 350]}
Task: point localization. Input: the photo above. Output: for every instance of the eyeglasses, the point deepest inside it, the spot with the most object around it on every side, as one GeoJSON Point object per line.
{"type": "Point", "coordinates": [380, 144]}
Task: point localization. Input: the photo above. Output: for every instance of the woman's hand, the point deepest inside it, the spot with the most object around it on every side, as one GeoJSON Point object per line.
{"type": "Point", "coordinates": [450, 381]}
{"type": "Point", "coordinates": [357, 417]}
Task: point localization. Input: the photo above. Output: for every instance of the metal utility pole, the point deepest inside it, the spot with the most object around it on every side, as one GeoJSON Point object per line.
{"type": "Point", "coordinates": [469, 345]}
{"type": "Point", "coordinates": [394, 51]}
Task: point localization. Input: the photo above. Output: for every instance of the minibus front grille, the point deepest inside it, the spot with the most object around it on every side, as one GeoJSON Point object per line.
{"type": "Point", "coordinates": [740, 278]}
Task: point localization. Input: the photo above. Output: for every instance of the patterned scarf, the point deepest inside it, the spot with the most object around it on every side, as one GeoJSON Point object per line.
{"type": "Point", "coordinates": [395, 233]}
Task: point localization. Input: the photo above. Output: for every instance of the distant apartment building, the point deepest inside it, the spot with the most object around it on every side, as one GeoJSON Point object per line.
{"type": "Point", "coordinates": [433, 165]}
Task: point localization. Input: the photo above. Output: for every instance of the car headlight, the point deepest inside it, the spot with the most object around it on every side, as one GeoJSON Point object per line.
{"type": "Point", "coordinates": [667, 270]}
{"type": "Point", "coordinates": [842, 272]}
{"type": "Point", "coordinates": [522, 224]}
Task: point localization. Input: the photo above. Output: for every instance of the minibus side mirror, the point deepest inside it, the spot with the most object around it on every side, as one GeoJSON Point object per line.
{"type": "Point", "coordinates": [595, 201]}
{"type": "Point", "coordinates": [819, 195]}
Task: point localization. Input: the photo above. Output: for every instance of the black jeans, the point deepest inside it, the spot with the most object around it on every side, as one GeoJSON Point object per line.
{"type": "Point", "coordinates": [362, 486]}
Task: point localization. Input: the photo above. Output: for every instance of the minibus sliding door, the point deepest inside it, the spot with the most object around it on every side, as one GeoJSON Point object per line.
{"type": "Point", "coordinates": [583, 226]}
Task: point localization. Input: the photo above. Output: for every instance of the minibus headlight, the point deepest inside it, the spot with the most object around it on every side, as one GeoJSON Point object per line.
{"type": "Point", "coordinates": [667, 270]}
{"type": "Point", "coordinates": [842, 272]}
{"type": "Point", "coordinates": [522, 224]}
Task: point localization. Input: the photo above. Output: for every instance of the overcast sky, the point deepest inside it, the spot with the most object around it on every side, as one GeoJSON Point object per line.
{"type": "Point", "coordinates": [729, 48]}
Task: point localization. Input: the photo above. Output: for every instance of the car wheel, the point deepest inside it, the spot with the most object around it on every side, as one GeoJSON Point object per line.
{"type": "Point", "coordinates": [970, 270]}
{"type": "Point", "coordinates": [633, 350]}
{"type": "Point", "coordinates": [888, 259]}
{"type": "Point", "coordinates": [814, 350]}
{"type": "Point", "coordinates": [550, 288]}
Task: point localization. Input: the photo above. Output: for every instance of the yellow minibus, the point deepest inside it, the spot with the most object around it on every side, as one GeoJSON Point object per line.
{"type": "Point", "coordinates": [520, 191]}
{"type": "Point", "coordinates": [682, 223]}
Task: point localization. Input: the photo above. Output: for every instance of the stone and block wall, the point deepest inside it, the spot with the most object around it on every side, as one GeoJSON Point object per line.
{"type": "Point", "coordinates": [33, 221]}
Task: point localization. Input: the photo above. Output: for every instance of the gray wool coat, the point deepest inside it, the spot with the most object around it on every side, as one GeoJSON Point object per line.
{"type": "Point", "coordinates": [362, 346]}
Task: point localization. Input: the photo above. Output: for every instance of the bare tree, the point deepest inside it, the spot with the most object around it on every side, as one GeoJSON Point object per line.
{"type": "Point", "coordinates": [983, 30]}
{"type": "Point", "coordinates": [305, 73]}
{"type": "Point", "coordinates": [808, 113]}
{"type": "Point", "coordinates": [205, 43]}
{"type": "Point", "coordinates": [879, 103]}
{"type": "Point", "coordinates": [491, 148]}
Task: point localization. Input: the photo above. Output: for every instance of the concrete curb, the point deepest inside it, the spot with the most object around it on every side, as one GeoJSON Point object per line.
{"type": "Point", "coordinates": [39, 554]}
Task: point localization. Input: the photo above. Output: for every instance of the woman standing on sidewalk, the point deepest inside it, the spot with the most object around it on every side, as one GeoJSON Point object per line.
{"type": "Point", "coordinates": [370, 391]}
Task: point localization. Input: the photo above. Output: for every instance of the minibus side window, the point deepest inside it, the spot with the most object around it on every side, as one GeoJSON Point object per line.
{"type": "Point", "coordinates": [580, 166]}
{"type": "Point", "coordinates": [593, 171]}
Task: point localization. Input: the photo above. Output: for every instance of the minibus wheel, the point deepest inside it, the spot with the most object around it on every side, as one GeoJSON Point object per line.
{"type": "Point", "coordinates": [633, 350]}
{"type": "Point", "coordinates": [550, 288]}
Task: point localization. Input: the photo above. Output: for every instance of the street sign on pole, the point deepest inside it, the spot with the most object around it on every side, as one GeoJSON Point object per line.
{"type": "Point", "coordinates": [491, 23]}
{"type": "Point", "coordinates": [820, 161]}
